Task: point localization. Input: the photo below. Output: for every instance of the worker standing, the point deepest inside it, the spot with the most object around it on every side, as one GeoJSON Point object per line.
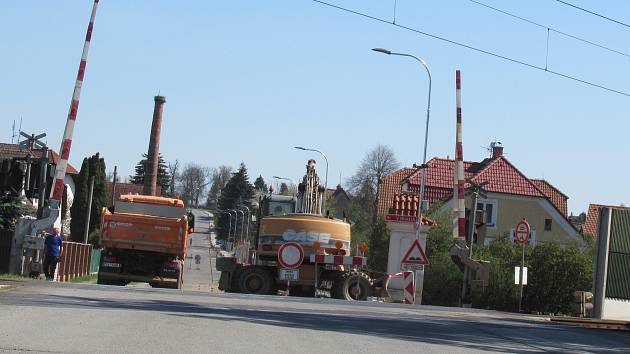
{"type": "Point", "coordinates": [52, 251]}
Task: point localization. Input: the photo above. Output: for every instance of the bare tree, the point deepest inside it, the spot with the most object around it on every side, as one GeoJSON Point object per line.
{"type": "Point", "coordinates": [220, 177]}
{"type": "Point", "coordinates": [377, 163]}
{"type": "Point", "coordinates": [192, 182]}
{"type": "Point", "coordinates": [172, 170]}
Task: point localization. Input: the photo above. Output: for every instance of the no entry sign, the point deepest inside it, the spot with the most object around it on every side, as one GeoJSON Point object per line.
{"type": "Point", "coordinates": [521, 232]}
{"type": "Point", "coordinates": [290, 255]}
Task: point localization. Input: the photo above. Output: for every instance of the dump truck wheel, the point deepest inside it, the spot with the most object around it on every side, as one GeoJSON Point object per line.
{"type": "Point", "coordinates": [256, 280]}
{"type": "Point", "coordinates": [346, 288]}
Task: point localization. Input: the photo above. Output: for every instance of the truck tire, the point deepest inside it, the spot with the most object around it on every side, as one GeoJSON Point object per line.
{"type": "Point", "coordinates": [345, 287]}
{"type": "Point", "coordinates": [256, 280]}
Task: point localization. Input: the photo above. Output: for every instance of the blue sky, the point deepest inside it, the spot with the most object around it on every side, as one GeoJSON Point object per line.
{"type": "Point", "coordinates": [248, 80]}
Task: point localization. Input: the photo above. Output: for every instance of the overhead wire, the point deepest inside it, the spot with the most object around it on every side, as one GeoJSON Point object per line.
{"type": "Point", "coordinates": [470, 47]}
{"type": "Point", "coordinates": [594, 13]}
{"type": "Point", "coordinates": [549, 28]}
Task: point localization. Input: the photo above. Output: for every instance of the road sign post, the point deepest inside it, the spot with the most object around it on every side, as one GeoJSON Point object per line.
{"type": "Point", "coordinates": [414, 260]}
{"type": "Point", "coordinates": [290, 256]}
{"type": "Point", "coordinates": [521, 234]}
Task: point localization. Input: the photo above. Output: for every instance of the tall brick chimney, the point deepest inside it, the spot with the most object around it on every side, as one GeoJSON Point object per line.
{"type": "Point", "coordinates": [151, 168]}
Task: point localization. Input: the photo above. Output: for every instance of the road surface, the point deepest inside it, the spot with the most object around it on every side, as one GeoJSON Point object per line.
{"type": "Point", "coordinates": [37, 316]}
{"type": "Point", "coordinates": [201, 276]}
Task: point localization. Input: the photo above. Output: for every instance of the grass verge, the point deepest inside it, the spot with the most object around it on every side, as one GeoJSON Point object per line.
{"type": "Point", "coordinates": [84, 279]}
{"type": "Point", "coordinates": [12, 277]}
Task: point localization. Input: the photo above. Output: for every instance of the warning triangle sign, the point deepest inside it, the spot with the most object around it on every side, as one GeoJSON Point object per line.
{"type": "Point", "coordinates": [415, 255]}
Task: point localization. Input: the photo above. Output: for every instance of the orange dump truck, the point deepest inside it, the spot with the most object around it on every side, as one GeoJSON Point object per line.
{"type": "Point", "coordinates": [144, 239]}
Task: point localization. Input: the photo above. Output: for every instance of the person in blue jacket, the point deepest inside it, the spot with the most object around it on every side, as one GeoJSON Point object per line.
{"type": "Point", "coordinates": [52, 252]}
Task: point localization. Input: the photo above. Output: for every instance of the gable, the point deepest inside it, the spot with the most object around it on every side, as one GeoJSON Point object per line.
{"type": "Point", "coordinates": [503, 177]}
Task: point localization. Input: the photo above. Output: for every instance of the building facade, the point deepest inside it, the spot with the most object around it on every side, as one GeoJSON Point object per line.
{"type": "Point", "coordinates": [510, 197]}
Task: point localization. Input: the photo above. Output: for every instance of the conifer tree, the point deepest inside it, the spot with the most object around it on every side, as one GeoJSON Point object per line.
{"type": "Point", "coordinates": [237, 192]}
{"type": "Point", "coordinates": [163, 179]}
{"type": "Point", "coordinates": [91, 167]}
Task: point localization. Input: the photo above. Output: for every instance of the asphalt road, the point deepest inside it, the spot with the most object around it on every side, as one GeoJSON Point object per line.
{"type": "Point", "coordinates": [201, 276]}
{"type": "Point", "coordinates": [37, 316]}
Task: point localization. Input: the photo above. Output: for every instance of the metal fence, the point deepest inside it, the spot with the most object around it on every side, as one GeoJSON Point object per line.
{"type": "Point", "coordinates": [95, 260]}
{"type": "Point", "coordinates": [6, 236]}
{"type": "Point", "coordinates": [75, 261]}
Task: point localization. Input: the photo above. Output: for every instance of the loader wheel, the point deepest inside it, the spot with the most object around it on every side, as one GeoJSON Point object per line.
{"type": "Point", "coordinates": [256, 280]}
{"type": "Point", "coordinates": [352, 286]}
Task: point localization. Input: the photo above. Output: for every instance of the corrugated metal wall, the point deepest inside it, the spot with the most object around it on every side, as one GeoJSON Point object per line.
{"type": "Point", "coordinates": [618, 281]}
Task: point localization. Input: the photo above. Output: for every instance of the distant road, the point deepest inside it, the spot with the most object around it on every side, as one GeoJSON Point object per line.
{"type": "Point", "coordinates": [202, 276]}
{"type": "Point", "coordinates": [38, 316]}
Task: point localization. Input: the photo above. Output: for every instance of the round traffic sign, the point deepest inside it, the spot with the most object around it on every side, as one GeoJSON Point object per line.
{"type": "Point", "coordinates": [521, 232]}
{"type": "Point", "coordinates": [290, 255]}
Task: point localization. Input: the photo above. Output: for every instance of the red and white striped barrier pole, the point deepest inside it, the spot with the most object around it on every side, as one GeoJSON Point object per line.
{"type": "Point", "coordinates": [459, 231]}
{"type": "Point", "coordinates": [409, 292]}
{"type": "Point", "coordinates": [64, 153]}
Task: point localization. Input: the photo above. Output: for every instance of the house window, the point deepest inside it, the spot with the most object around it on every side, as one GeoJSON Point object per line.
{"type": "Point", "coordinates": [547, 224]}
{"type": "Point", "coordinates": [489, 206]}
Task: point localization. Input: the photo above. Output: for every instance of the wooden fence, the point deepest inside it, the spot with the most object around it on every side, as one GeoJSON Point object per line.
{"type": "Point", "coordinates": [75, 261]}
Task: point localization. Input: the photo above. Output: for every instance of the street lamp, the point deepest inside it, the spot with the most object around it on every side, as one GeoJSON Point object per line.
{"type": "Point", "coordinates": [242, 222]}
{"type": "Point", "coordinates": [426, 131]}
{"type": "Point", "coordinates": [230, 215]}
{"type": "Point", "coordinates": [249, 217]}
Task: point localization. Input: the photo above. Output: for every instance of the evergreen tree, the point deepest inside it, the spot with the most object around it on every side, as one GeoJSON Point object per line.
{"type": "Point", "coordinates": [91, 167]}
{"type": "Point", "coordinates": [237, 192]}
{"type": "Point", "coordinates": [260, 185]}
{"type": "Point", "coordinates": [284, 189]}
{"type": "Point", "coordinates": [99, 195]}
{"type": "Point", "coordinates": [163, 179]}
{"type": "Point", "coordinates": [79, 205]}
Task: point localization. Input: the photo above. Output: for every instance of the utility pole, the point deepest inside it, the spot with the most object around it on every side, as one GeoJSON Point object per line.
{"type": "Point", "coordinates": [114, 185]}
{"type": "Point", "coordinates": [43, 169]}
{"type": "Point", "coordinates": [88, 211]}
{"type": "Point", "coordinates": [476, 191]}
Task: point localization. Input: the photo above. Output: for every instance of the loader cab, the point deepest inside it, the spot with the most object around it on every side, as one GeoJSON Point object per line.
{"type": "Point", "coordinates": [277, 205]}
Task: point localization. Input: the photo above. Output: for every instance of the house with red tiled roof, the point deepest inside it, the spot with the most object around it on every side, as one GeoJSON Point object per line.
{"type": "Point", "coordinates": [591, 226]}
{"type": "Point", "coordinates": [510, 197]}
{"type": "Point", "coordinates": [16, 161]}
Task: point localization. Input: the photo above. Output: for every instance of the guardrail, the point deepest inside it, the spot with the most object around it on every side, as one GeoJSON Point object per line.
{"type": "Point", "coordinates": [75, 261]}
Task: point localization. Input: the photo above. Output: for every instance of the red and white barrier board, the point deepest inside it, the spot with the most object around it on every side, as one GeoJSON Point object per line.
{"type": "Point", "coordinates": [409, 294]}
{"type": "Point", "coordinates": [338, 260]}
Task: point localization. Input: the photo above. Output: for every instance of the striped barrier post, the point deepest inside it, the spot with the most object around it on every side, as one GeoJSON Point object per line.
{"type": "Point", "coordinates": [409, 293]}
{"type": "Point", "coordinates": [64, 153]}
{"type": "Point", "coordinates": [459, 231]}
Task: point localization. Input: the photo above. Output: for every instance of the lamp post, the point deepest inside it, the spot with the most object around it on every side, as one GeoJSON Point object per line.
{"type": "Point", "coordinates": [242, 222]}
{"type": "Point", "coordinates": [230, 215]}
{"type": "Point", "coordinates": [249, 217]}
{"type": "Point", "coordinates": [426, 133]}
